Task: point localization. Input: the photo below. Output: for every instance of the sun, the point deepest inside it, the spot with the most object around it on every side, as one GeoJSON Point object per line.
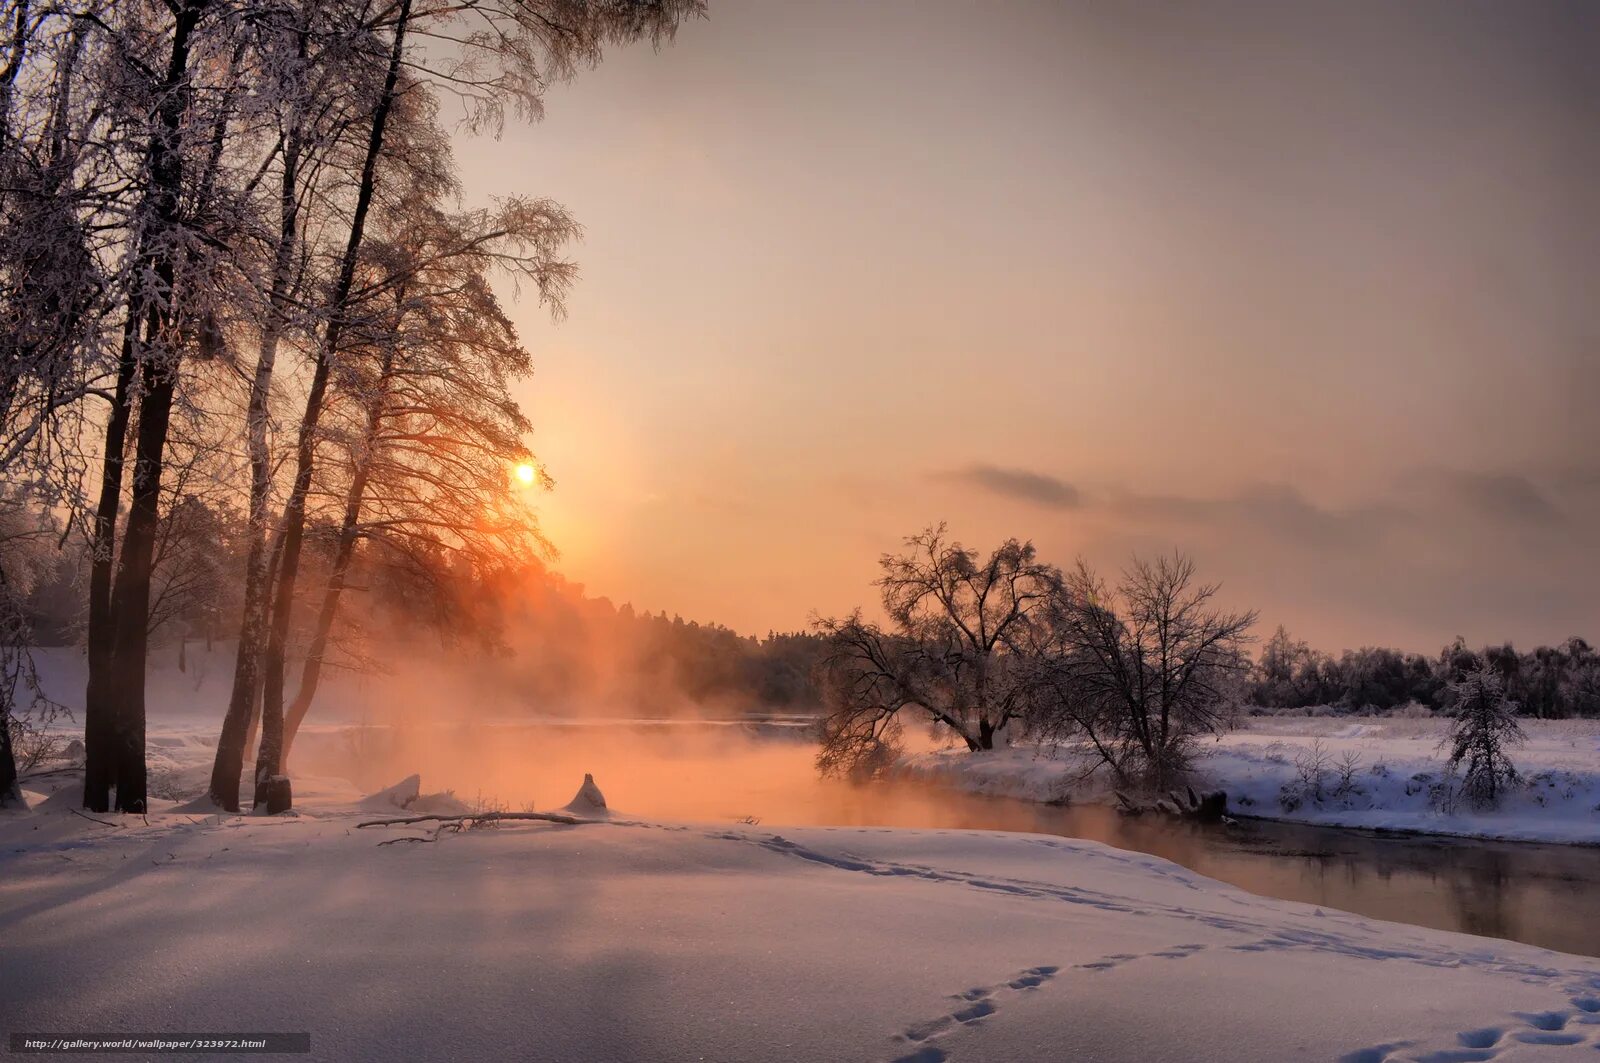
{"type": "Point", "coordinates": [525, 473]}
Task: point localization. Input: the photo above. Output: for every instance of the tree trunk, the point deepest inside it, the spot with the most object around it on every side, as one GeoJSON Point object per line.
{"type": "Point", "coordinates": [130, 600]}
{"type": "Point", "coordinates": [253, 736]}
{"type": "Point", "coordinates": [269, 759]}
{"type": "Point", "coordinates": [114, 699]}
{"type": "Point", "coordinates": [238, 725]}
{"type": "Point", "coordinates": [10, 793]}
{"type": "Point", "coordinates": [311, 674]}
{"type": "Point", "coordinates": [99, 726]}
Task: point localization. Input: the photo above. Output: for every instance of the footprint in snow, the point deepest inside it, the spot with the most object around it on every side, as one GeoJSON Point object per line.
{"type": "Point", "coordinates": [1547, 1029]}
{"type": "Point", "coordinates": [925, 1054]}
{"type": "Point", "coordinates": [972, 1007]}
{"type": "Point", "coordinates": [1117, 959]}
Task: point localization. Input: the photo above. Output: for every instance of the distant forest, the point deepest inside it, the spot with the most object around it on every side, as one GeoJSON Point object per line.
{"type": "Point", "coordinates": [561, 650]}
{"type": "Point", "coordinates": [565, 650]}
{"type": "Point", "coordinates": [524, 628]}
{"type": "Point", "coordinates": [1547, 682]}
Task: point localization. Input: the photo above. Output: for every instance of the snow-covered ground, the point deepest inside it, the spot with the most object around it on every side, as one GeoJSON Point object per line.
{"type": "Point", "coordinates": [626, 940]}
{"type": "Point", "coordinates": [1396, 776]}
{"type": "Point", "coordinates": [633, 938]}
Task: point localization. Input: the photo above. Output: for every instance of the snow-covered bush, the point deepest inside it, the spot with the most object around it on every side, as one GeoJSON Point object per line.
{"type": "Point", "coordinates": [1312, 765]}
{"type": "Point", "coordinates": [33, 745]}
{"type": "Point", "coordinates": [1348, 764]}
{"type": "Point", "coordinates": [1484, 724]}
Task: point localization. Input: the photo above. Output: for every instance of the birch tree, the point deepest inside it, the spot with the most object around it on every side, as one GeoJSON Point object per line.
{"type": "Point", "coordinates": [436, 435]}
{"type": "Point", "coordinates": [502, 53]}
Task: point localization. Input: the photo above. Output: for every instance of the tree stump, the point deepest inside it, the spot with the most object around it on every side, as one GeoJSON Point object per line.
{"type": "Point", "coordinates": [276, 795]}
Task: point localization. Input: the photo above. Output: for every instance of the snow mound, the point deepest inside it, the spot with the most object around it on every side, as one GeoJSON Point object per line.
{"type": "Point", "coordinates": [400, 795]}
{"type": "Point", "coordinates": [588, 801]}
{"type": "Point", "coordinates": [68, 796]}
{"type": "Point", "coordinates": [443, 803]}
{"type": "Point", "coordinates": [407, 795]}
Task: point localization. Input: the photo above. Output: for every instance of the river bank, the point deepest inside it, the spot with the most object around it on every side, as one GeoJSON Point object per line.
{"type": "Point", "coordinates": [1375, 773]}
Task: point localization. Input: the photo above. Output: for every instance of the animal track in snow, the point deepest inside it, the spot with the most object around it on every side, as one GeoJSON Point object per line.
{"type": "Point", "coordinates": [1329, 936]}
{"type": "Point", "coordinates": [777, 843]}
{"type": "Point", "coordinates": [971, 1007]}
{"type": "Point", "coordinates": [1334, 933]}
{"type": "Point", "coordinates": [1550, 1029]}
{"type": "Point", "coordinates": [1117, 959]}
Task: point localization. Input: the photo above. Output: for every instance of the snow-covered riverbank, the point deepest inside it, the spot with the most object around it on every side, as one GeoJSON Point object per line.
{"type": "Point", "coordinates": [1378, 773]}
{"type": "Point", "coordinates": [671, 941]}
{"type": "Point", "coordinates": [650, 939]}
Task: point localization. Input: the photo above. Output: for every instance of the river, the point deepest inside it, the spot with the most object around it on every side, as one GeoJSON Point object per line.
{"type": "Point", "coordinates": [1539, 894]}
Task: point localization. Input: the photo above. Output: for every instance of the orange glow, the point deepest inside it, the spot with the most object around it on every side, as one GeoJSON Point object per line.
{"type": "Point", "coordinates": [525, 473]}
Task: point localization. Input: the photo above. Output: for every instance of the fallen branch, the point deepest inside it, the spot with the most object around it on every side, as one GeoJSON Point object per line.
{"type": "Point", "coordinates": [480, 817]}
{"type": "Point", "coordinates": [91, 819]}
{"type": "Point", "coordinates": [406, 838]}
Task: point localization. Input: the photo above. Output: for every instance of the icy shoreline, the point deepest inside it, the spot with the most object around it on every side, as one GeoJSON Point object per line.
{"type": "Point", "coordinates": [1269, 769]}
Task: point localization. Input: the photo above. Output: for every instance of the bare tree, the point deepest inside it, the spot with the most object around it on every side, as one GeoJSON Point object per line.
{"type": "Point", "coordinates": [955, 653]}
{"type": "Point", "coordinates": [1142, 671]}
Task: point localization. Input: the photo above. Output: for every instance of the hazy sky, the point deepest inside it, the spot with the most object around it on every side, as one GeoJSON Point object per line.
{"type": "Point", "coordinates": [1309, 290]}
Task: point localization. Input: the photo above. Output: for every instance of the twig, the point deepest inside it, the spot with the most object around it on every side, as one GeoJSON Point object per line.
{"type": "Point", "coordinates": [91, 819]}
{"type": "Point", "coordinates": [406, 838]}
{"type": "Point", "coordinates": [482, 817]}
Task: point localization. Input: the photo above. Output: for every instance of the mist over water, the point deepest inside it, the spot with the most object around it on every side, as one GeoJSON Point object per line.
{"type": "Point", "coordinates": [722, 772]}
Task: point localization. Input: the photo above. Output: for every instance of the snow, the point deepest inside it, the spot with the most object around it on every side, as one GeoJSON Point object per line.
{"type": "Point", "coordinates": [1398, 762]}
{"type": "Point", "coordinates": [634, 940]}
{"type": "Point", "coordinates": [621, 938]}
{"type": "Point", "coordinates": [400, 795]}
{"type": "Point", "coordinates": [588, 801]}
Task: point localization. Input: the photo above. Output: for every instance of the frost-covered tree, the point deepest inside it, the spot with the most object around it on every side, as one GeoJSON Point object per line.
{"type": "Point", "coordinates": [487, 55]}
{"type": "Point", "coordinates": [433, 435]}
{"type": "Point", "coordinates": [954, 654]}
{"type": "Point", "coordinates": [320, 68]}
{"type": "Point", "coordinates": [1140, 670]}
{"type": "Point", "coordinates": [1484, 725]}
{"type": "Point", "coordinates": [185, 185]}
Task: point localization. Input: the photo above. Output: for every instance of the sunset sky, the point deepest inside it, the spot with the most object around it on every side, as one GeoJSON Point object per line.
{"type": "Point", "coordinates": [1308, 290]}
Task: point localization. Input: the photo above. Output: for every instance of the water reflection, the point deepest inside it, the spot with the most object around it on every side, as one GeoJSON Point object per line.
{"type": "Point", "coordinates": [1540, 894]}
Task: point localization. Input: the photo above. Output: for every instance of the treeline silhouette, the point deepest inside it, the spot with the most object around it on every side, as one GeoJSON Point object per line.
{"type": "Point", "coordinates": [559, 649]}
{"type": "Point", "coordinates": [550, 646]}
{"type": "Point", "coordinates": [541, 641]}
{"type": "Point", "coordinates": [1547, 682]}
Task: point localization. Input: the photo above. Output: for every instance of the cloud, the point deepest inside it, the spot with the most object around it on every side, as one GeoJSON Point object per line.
{"type": "Point", "coordinates": [1502, 495]}
{"type": "Point", "coordinates": [1021, 484]}
{"type": "Point", "coordinates": [1277, 510]}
